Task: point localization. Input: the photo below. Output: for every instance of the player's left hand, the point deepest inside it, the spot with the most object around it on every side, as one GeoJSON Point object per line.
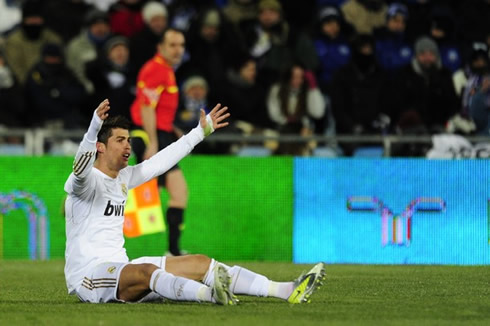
{"type": "Point", "coordinates": [217, 115]}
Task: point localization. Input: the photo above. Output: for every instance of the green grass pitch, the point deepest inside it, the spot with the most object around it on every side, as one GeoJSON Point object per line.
{"type": "Point", "coordinates": [34, 293]}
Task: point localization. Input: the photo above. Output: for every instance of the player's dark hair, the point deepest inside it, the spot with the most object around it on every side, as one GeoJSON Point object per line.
{"type": "Point", "coordinates": [169, 29]}
{"type": "Point", "coordinates": [114, 122]}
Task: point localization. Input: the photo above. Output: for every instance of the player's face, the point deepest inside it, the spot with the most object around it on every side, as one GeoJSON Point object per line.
{"type": "Point", "coordinates": [172, 47]}
{"type": "Point", "coordinates": [118, 149]}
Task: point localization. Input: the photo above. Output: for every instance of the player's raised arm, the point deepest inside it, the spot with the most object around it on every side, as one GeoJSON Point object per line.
{"type": "Point", "coordinates": [172, 154]}
{"type": "Point", "coordinates": [86, 153]}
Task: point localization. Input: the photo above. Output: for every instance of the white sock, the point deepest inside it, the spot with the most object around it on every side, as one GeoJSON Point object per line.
{"type": "Point", "coordinates": [179, 288]}
{"type": "Point", "coordinates": [281, 289]}
{"type": "Point", "coordinates": [244, 281]}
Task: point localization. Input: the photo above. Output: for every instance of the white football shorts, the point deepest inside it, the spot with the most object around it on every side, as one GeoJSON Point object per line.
{"type": "Point", "coordinates": [102, 283]}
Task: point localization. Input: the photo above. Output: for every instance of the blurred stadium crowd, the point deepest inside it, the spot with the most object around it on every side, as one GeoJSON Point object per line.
{"type": "Point", "coordinates": [309, 67]}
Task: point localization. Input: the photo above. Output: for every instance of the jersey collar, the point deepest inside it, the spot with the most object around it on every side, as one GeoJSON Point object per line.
{"type": "Point", "coordinates": [161, 60]}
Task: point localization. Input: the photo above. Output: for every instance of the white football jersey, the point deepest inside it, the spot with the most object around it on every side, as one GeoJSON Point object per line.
{"type": "Point", "coordinates": [95, 203]}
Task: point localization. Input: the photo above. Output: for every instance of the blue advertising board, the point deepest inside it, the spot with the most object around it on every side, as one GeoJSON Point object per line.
{"type": "Point", "coordinates": [391, 211]}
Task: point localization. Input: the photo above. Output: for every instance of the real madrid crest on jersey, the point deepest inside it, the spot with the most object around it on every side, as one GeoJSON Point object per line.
{"type": "Point", "coordinates": [124, 189]}
{"type": "Point", "coordinates": [111, 269]}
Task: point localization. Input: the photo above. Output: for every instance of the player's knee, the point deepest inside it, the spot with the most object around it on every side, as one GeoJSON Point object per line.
{"type": "Point", "coordinates": [146, 270]}
{"type": "Point", "coordinates": [201, 264]}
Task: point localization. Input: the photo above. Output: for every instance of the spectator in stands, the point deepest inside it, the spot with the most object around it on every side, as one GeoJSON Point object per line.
{"type": "Point", "coordinates": [143, 44]}
{"type": "Point", "coordinates": [392, 47]}
{"type": "Point", "coordinates": [332, 46]}
{"type": "Point", "coordinates": [365, 15]}
{"type": "Point", "coordinates": [193, 99]}
{"type": "Point", "coordinates": [274, 44]}
{"type": "Point", "coordinates": [424, 93]}
{"type": "Point", "coordinates": [466, 81]}
{"type": "Point", "coordinates": [292, 103]}
{"type": "Point", "coordinates": [475, 99]}
{"type": "Point", "coordinates": [442, 31]}
{"type": "Point", "coordinates": [246, 95]}
{"type": "Point", "coordinates": [65, 17]}
{"type": "Point", "coordinates": [479, 108]}
{"type": "Point", "coordinates": [126, 18]}
{"type": "Point", "coordinates": [23, 46]}
{"type": "Point", "coordinates": [360, 93]}
{"type": "Point", "coordinates": [211, 45]}
{"type": "Point", "coordinates": [333, 49]}
{"type": "Point", "coordinates": [194, 96]}
{"type": "Point", "coordinates": [88, 45]}
{"type": "Point", "coordinates": [53, 93]}
{"type": "Point", "coordinates": [111, 76]}
{"type": "Point", "coordinates": [11, 99]}
{"type": "Point", "coordinates": [476, 64]}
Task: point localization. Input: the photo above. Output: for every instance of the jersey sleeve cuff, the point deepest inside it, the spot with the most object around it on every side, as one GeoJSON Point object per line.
{"type": "Point", "coordinates": [208, 130]}
{"type": "Point", "coordinates": [94, 128]}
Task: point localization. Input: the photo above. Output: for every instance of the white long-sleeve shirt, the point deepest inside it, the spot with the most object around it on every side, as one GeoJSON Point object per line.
{"type": "Point", "coordinates": [95, 203]}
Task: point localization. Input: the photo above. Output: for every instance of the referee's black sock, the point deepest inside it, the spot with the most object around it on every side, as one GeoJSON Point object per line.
{"type": "Point", "coordinates": [175, 218]}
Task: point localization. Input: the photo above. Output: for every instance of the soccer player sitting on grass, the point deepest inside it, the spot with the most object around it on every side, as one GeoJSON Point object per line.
{"type": "Point", "coordinates": [97, 268]}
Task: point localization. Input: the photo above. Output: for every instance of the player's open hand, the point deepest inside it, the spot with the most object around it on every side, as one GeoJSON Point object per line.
{"type": "Point", "coordinates": [217, 115]}
{"type": "Point", "coordinates": [102, 109]}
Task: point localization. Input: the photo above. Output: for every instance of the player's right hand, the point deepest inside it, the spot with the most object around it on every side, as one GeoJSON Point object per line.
{"type": "Point", "coordinates": [102, 109]}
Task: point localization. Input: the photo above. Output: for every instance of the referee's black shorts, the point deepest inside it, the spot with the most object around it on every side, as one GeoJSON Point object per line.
{"type": "Point", "coordinates": [138, 146]}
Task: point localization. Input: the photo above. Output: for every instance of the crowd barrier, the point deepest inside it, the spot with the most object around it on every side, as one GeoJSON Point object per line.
{"type": "Point", "coordinates": [34, 141]}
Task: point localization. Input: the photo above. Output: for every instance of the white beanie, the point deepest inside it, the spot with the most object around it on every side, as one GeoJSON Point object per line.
{"type": "Point", "coordinates": [152, 9]}
{"type": "Point", "coordinates": [194, 81]}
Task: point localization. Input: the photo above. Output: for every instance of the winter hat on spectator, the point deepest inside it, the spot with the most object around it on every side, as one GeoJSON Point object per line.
{"type": "Point", "coordinates": [153, 9]}
{"type": "Point", "coordinates": [194, 81]}
{"type": "Point", "coordinates": [114, 41]}
{"type": "Point", "coordinates": [425, 43]}
{"type": "Point", "coordinates": [328, 14]}
{"type": "Point", "coordinates": [397, 9]}
{"type": "Point", "coordinates": [96, 16]}
{"type": "Point", "coordinates": [211, 18]}
{"type": "Point", "coordinates": [270, 4]}
{"type": "Point", "coordinates": [479, 49]}
{"type": "Point", "coordinates": [32, 8]}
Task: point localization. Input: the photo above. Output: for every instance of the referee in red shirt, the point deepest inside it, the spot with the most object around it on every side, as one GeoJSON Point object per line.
{"type": "Point", "coordinates": [153, 111]}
